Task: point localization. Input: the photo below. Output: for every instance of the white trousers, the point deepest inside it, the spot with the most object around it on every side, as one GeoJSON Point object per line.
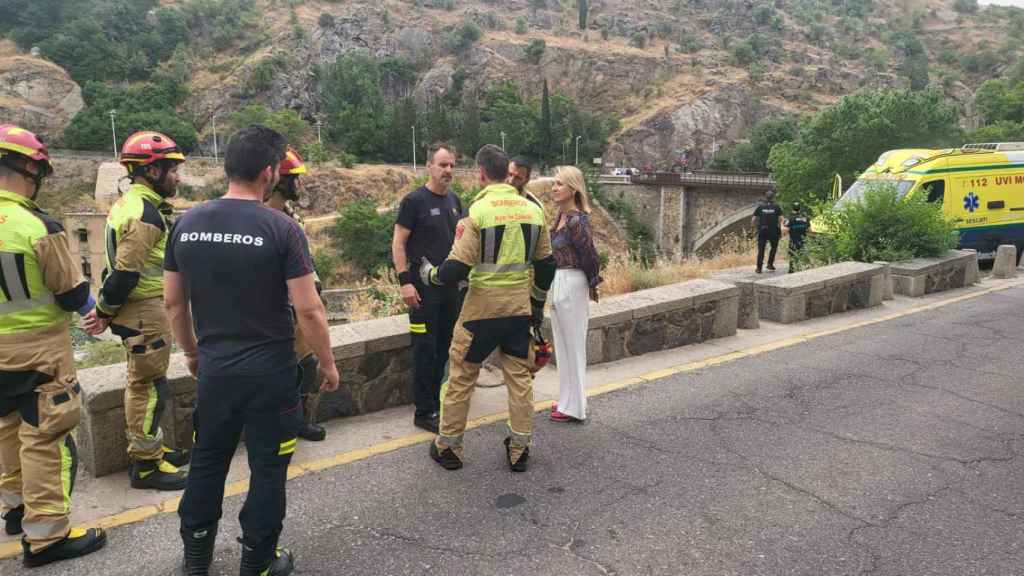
{"type": "Point", "coordinates": [570, 312]}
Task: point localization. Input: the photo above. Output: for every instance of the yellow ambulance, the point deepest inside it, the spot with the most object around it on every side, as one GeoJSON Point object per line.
{"type": "Point", "coordinates": [980, 187]}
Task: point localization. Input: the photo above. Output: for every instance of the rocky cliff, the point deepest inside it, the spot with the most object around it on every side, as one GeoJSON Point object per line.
{"type": "Point", "coordinates": [36, 93]}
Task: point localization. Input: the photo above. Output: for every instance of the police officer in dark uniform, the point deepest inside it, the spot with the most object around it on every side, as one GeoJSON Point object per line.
{"type": "Point", "coordinates": [766, 221]}
{"type": "Point", "coordinates": [237, 265]}
{"type": "Point", "coordinates": [425, 228]}
{"type": "Point", "coordinates": [798, 225]}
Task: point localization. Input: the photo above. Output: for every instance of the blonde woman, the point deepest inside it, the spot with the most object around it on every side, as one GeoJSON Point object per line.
{"type": "Point", "coordinates": [576, 279]}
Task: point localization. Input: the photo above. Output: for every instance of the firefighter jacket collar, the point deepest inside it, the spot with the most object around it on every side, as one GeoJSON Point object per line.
{"type": "Point", "coordinates": [27, 203]}
{"type": "Point", "coordinates": [496, 189]}
{"type": "Point", "coordinates": [146, 193]}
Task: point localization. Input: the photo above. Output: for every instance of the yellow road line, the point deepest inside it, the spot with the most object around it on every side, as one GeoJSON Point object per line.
{"type": "Point", "coordinates": [134, 515]}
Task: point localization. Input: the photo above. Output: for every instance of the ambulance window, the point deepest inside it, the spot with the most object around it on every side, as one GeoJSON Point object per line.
{"type": "Point", "coordinates": [936, 191]}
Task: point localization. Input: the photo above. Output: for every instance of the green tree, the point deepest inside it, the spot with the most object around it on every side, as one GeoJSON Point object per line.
{"type": "Point", "coordinates": [849, 136]}
{"type": "Point", "coordinates": [286, 121]}
{"type": "Point", "coordinates": [362, 235]}
{"type": "Point", "coordinates": [357, 111]}
{"type": "Point", "coordinates": [469, 136]}
{"type": "Point", "coordinates": [1002, 131]}
{"type": "Point", "coordinates": [521, 25]}
{"type": "Point", "coordinates": [545, 123]}
{"type": "Point", "coordinates": [140, 107]}
{"type": "Point", "coordinates": [584, 8]}
{"type": "Point", "coordinates": [997, 102]}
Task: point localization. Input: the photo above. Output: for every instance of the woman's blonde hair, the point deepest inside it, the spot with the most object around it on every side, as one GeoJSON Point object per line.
{"type": "Point", "coordinates": [572, 177]}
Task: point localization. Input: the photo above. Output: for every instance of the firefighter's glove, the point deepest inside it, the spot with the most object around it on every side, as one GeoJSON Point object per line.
{"type": "Point", "coordinates": [536, 313]}
{"type": "Point", "coordinates": [428, 273]}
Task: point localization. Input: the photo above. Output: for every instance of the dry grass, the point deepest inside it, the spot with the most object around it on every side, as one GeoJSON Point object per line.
{"type": "Point", "coordinates": [381, 300]}
{"type": "Point", "coordinates": [622, 276]}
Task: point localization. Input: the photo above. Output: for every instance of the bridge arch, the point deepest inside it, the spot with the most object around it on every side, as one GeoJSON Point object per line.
{"type": "Point", "coordinates": [733, 225]}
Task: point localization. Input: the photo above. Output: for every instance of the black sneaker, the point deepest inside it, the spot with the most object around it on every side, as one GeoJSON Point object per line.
{"type": "Point", "coordinates": [428, 422]}
{"type": "Point", "coordinates": [312, 432]}
{"type": "Point", "coordinates": [520, 465]}
{"type": "Point", "coordinates": [177, 458]}
{"type": "Point", "coordinates": [77, 543]}
{"type": "Point", "coordinates": [12, 520]}
{"type": "Point", "coordinates": [447, 458]}
{"type": "Point", "coordinates": [758, 270]}
{"type": "Point", "coordinates": [771, 268]}
{"type": "Point", "coordinates": [156, 474]}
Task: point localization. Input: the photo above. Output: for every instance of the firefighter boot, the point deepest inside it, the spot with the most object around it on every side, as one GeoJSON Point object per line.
{"type": "Point", "coordinates": [156, 474]}
{"type": "Point", "coordinates": [177, 458]}
{"type": "Point", "coordinates": [520, 464]}
{"type": "Point", "coordinates": [312, 432]}
{"type": "Point", "coordinates": [198, 550]}
{"type": "Point", "coordinates": [12, 520]}
{"type": "Point", "coordinates": [266, 562]}
{"type": "Point", "coordinates": [77, 543]}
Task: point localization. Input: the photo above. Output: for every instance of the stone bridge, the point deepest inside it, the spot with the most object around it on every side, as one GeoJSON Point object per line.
{"type": "Point", "coordinates": [691, 213]}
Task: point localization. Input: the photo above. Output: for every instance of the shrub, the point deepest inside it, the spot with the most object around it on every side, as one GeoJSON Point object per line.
{"type": "Point", "coordinates": [363, 236]}
{"type": "Point", "coordinates": [462, 38]}
{"type": "Point", "coordinates": [534, 51]}
{"type": "Point", "coordinates": [965, 6]}
{"type": "Point", "coordinates": [521, 26]}
{"type": "Point", "coordinates": [639, 40]}
{"type": "Point", "coordinates": [689, 43]}
{"type": "Point", "coordinates": [326, 20]}
{"type": "Point", "coordinates": [325, 261]}
{"type": "Point", "coordinates": [882, 226]}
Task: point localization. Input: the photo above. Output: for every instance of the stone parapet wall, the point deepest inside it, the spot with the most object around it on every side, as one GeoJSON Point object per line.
{"type": "Point", "coordinates": [375, 361]}
{"type": "Point", "coordinates": [821, 291]}
{"type": "Point", "coordinates": [660, 319]}
{"type": "Point", "coordinates": [920, 276]}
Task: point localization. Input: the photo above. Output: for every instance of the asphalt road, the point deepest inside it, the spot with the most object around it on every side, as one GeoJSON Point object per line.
{"type": "Point", "coordinates": [892, 449]}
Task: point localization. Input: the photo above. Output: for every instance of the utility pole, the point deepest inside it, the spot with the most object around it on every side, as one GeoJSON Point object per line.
{"type": "Point", "coordinates": [414, 149]}
{"type": "Point", "coordinates": [565, 146]}
{"type": "Point", "coordinates": [113, 131]}
{"type": "Point", "coordinates": [502, 139]}
{"type": "Point", "coordinates": [215, 138]}
{"type": "Point", "coordinates": [319, 123]}
{"type": "Point", "coordinates": [578, 150]}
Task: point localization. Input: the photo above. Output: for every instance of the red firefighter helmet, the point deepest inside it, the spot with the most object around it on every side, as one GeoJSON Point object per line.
{"type": "Point", "coordinates": [541, 350]}
{"type": "Point", "coordinates": [146, 147]}
{"type": "Point", "coordinates": [292, 165]}
{"type": "Point", "coordinates": [17, 140]}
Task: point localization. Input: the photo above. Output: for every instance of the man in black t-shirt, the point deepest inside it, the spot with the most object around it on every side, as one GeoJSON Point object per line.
{"type": "Point", "coordinates": [766, 222]}
{"type": "Point", "coordinates": [425, 228]}
{"type": "Point", "coordinates": [236, 264]}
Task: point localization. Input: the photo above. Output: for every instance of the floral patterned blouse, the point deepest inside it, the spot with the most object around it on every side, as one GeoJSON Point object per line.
{"type": "Point", "coordinates": [573, 245]}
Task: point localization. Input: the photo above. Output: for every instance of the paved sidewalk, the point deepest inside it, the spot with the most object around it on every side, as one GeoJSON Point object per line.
{"type": "Point", "coordinates": [108, 501]}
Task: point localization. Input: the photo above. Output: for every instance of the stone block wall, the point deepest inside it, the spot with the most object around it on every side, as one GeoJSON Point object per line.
{"type": "Point", "coordinates": [375, 361]}
{"type": "Point", "coordinates": [660, 319]}
{"type": "Point", "coordinates": [821, 291]}
{"type": "Point", "coordinates": [920, 276]}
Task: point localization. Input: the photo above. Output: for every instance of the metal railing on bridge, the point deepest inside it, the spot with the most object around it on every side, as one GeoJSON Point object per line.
{"type": "Point", "coordinates": [759, 180]}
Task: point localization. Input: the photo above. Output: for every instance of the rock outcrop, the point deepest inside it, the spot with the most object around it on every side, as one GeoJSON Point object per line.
{"type": "Point", "coordinates": [38, 95]}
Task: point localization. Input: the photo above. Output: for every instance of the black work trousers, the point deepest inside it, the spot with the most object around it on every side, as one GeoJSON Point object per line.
{"type": "Point", "coordinates": [270, 410]}
{"type": "Point", "coordinates": [767, 237]}
{"type": "Point", "coordinates": [431, 327]}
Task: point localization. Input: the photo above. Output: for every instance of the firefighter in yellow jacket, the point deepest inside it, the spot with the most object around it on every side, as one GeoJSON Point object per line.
{"type": "Point", "coordinates": [280, 198]}
{"type": "Point", "coordinates": [131, 303]}
{"type": "Point", "coordinates": [503, 237]}
{"type": "Point", "coordinates": [40, 399]}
